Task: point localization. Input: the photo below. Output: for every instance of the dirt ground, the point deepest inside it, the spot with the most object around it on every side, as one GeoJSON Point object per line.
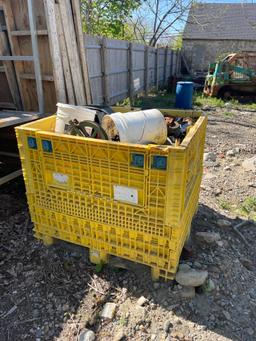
{"type": "Point", "coordinates": [55, 293]}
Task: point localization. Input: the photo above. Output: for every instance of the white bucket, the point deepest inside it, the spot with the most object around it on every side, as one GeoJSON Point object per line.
{"type": "Point", "coordinates": [67, 112]}
{"type": "Point", "coordinates": [141, 127]}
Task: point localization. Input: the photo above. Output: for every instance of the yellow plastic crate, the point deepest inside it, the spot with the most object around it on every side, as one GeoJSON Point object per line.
{"type": "Point", "coordinates": [127, 200]}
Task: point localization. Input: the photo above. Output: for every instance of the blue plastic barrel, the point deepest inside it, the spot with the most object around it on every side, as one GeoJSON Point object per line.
{"type": "Point", "coordinates": [184, 95]}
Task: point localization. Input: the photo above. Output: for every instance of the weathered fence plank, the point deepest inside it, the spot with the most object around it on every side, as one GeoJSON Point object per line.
{"type": "Point", "coordinates": [119, 69]}
{"type": "Point", "coordinates": [66, 54]}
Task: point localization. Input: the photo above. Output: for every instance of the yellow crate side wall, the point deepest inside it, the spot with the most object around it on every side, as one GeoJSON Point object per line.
{"type": "Point", "coordinates": [175, 187]}
{"type": "Point", "coordinates": [167, 199]}
{"type": "Point", "coordinates": [26, 157]}
{"type": "Point", "coordinates": [194, 161]}
{"type": "Point", "coordinates": [30, 157]}
{"type": "Point", "coordinates": [162, 253]}
{"type": "Point", "coordinates": [155, 187]}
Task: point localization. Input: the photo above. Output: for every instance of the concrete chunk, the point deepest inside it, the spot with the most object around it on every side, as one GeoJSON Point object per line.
{"type": "Point", "coordinates": [191, 277]}
{"type": "Point", "coordinates": [108, 311]}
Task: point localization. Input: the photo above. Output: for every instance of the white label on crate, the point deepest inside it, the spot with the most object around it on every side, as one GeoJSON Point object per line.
{"type": "Point", "coordinates": [127, 194]}
{"type": "Point", "coordinates": [61, 178]}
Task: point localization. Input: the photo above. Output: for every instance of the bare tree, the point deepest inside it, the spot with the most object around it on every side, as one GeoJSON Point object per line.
{"type": "Point", "coordinates": [157, 19]}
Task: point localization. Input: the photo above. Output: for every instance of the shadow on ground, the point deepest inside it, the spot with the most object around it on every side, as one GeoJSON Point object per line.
{"type": "Point", "coordinates": [49, 293]}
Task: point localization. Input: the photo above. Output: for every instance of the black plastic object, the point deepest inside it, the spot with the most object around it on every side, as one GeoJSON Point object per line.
{"type": "Point", "coordinates": [80, 129]}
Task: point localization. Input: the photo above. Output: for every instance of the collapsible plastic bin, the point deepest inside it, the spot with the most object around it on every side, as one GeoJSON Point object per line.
{"type": "Point", "coordinates": [127, 200]}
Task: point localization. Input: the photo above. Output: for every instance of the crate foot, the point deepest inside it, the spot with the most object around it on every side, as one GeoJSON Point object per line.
{"type": "Point", "coordinates": [98, 257]}
{"type": "Point", "coordinates": [47, 240]}
{"type": "Point", "coordinates": [155, 273]}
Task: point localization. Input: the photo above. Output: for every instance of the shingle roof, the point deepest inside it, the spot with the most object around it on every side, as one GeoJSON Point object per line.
{"type": "Point", "coordinates": [221, 21]}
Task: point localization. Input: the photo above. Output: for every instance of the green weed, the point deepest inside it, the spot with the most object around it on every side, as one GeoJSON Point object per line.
{"type": "Point", "coordinates": [251, 106]}
{"type": "Point", "coordinates": [123, 321]}
{"type": "Point", "coordinates": [99, 267]}
{"type": "Point", "coordinates": [248, 207]}
{"type": "Point", "coordinates": [224, 204]}
{"type": "Point", "coordinates": [201, 101]}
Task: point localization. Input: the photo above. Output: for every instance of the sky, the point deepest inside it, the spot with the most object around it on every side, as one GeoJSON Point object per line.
{"type": "Point", "coordinates": [148, 17]}
{"type": "Point", "coordinates": [230, 1]}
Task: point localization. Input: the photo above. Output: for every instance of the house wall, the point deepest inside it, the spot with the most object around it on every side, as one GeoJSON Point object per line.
{"type": "Point", "coordinates": [199, 53]}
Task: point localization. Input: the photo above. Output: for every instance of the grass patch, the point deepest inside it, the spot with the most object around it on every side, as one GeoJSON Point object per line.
{"type": "Point", "coordinates": [165, 99]}
{"type": "Point", "coordinates": [202, 101]}
{"type": "Point", "coordinates": [224, 204]}
{"type": "Point", "coordinates": [248, 207]}
{"type": "Point", "coordinates": [251, 106]}
{"type": "Point", "coordinates": [162, 99]}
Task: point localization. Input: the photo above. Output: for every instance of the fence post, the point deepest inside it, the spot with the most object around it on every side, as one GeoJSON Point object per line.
{"type": "Point", "coordinates": [165, 63]}
{"type": "Point", "coordinates": [156, 67]}
{"type": "Point", "coordinates": [130, 77]}
{"type": "Point", "coordinates": [104, 72]}
{"type": "Point", "coordinates": [179, 68]}
{"type": "Point", "coordinates": [171, 66]}
{"type": "Point", "coordinates": [172, 72]}
{"type": "Point", "coordinates": [176, 63]}
{"type": "Point", "coordinates": [146, 54]}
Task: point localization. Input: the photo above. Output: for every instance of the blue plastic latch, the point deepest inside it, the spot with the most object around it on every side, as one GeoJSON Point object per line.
{"type": "Point", "coordinates": [32, 142]}
{"type": "Point", "coordinates": [47, 146]}
{"type": "Point", "coordinates": [159, 162]}
{"type": "Point", "coordinates": [137, 160]}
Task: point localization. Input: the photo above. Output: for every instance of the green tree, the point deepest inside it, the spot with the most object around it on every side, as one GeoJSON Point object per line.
{"type": "Point", "coordinates": [176, 43]}
{"type": "Point", "coordinates": [108, 18]}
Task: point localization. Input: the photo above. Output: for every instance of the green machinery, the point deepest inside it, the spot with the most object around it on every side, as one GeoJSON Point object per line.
{"type": "Point", "coordinates": [232, 77]}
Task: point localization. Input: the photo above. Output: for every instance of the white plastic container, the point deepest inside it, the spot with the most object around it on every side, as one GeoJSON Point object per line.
{"type": "Point", "coordinates": [141, 127]}
{"type": "Point", "coordinates": [67, 112]}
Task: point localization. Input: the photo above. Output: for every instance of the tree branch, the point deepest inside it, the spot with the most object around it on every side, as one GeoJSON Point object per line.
{"type": "Point", "coordinates": [181, 12]}
{"type": "Point", "coordinates": [160, 23]}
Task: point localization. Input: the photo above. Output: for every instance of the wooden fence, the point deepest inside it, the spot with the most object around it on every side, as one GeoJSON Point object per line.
{"type": "Point", "coordinates": [119, 69]}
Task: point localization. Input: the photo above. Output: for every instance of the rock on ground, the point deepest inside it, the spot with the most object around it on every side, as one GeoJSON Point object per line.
{"type": "Point", "coordinates": [233, 152]}
{"type": "Point", "coordinates": [208, 237]}
{"type": "Point", "coordinates": [166, 326]}
{"type": "Point", "coordinates": [249, 164]}
{"type": "Point", "coordinates": [210, 156]}
{"type": "Point", "coordinates": [187, 292]}
{"type": "Point", "coordinates": [142, 301]}
{"type": "Point", "coordinates": [191, 277]}
{"type": "Point", "coordinates": [108, 311]}
{"type": "Point", "coordinates": [223, 223]}
{"type": "Point", "coordinates": [86, 335]}
{"type": "Point", "coordinates": [120, 335]}
{"type": "Point", "coordinates": [209, 285]}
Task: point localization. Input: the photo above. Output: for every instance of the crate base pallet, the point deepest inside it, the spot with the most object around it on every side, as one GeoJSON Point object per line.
{"type": "Point", "coordinates": [131, 201]}
{"type": "Point", "coordinates": [161, 254]}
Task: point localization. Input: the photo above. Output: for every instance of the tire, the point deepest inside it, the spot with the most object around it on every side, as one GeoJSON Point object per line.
{"type": "Point", "coordinates": [225, 93]}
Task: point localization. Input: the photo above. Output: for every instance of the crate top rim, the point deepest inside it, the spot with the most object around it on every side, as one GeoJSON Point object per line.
{"type": "Point", "coordinates": [153, 147]}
